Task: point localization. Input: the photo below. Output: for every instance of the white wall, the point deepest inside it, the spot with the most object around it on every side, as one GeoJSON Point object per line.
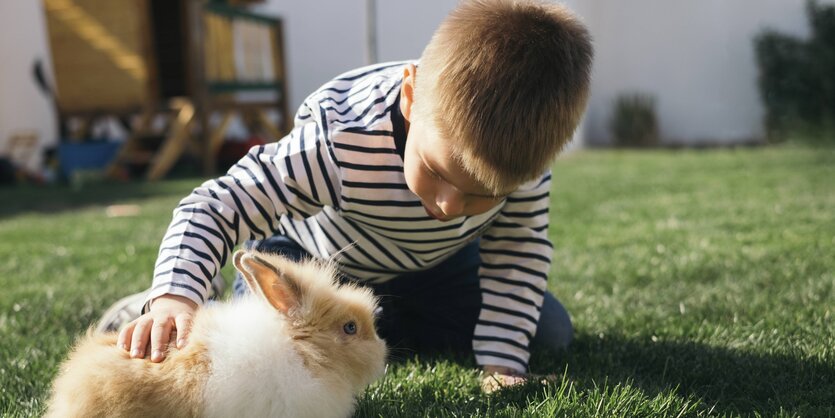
{"type": "Point", "coordinates": [22, 105]}
{"type": "Point", "coordinates": [324, 38]}
{"type": "Point", "coordinates": [696, 57]}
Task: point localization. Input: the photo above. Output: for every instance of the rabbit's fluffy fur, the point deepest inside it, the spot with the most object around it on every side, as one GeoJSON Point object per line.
{"type": "Point", "coordinates": [282, 352]}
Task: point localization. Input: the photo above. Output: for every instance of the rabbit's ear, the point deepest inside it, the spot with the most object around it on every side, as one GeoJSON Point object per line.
{"type": "Point", "coordinates": [277, 287]}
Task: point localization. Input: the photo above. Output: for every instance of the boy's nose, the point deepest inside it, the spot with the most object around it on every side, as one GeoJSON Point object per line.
{"type": "Point", "coordinates": [449, 202]}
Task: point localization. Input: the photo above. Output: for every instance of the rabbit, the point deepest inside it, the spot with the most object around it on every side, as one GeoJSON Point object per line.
{"type": "Point", "coordinates": [300, 345]}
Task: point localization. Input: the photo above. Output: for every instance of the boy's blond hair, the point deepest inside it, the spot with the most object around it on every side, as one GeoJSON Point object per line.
{"type": "Point", "coordinates": [506, 82]}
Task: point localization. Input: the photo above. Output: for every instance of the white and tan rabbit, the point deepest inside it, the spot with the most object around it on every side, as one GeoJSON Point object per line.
{"type": "Point", "coordinates": [300, 346]}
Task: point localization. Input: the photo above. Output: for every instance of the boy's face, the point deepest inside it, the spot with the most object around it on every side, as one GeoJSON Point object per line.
{"type": "Point", "coordinates": [444, 188]}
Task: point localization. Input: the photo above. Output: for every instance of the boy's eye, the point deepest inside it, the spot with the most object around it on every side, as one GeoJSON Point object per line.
{"type": "Point", "coordinates": [350, 328]}
{"type": "Point", "coordinates": [431, 173]}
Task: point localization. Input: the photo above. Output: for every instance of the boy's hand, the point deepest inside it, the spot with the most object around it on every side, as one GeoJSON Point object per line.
{"type": "Point", "coordinates": [498, 377]}
{"type": "Point", "coordinates": [169, 314]}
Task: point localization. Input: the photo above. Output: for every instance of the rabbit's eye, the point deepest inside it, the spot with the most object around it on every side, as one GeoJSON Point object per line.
{"type": "Point", "coordinates": [350, 328]}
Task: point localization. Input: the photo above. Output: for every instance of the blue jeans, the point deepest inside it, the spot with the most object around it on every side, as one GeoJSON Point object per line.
{"type": "Point", "coordinates": [436, 309]}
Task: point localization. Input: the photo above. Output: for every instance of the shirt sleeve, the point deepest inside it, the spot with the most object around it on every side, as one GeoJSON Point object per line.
{"type": "Point", "coordinates": [295, 177]}
{"type": "Point", "coordinates": [515, 260]}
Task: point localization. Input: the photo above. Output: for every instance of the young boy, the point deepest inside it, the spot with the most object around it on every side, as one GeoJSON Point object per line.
{"type": "Point", "coordinates": [428, 181]}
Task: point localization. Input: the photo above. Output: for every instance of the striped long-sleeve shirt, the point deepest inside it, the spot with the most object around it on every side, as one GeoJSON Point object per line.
{"type": "Point", "coordinates": [335, 185]}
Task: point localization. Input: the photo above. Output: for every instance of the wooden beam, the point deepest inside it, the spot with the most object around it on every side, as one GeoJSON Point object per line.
{"type": "Point", "coordinates": [129, 147]}
{"type": "Point", "coordinates": [268, 125]}
{"type": "Point", "coordinates": [217, 136]}
{"type": "Point", "coordinates": [173, 145]}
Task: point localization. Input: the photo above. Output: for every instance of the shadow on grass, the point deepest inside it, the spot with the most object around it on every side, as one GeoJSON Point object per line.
{"type": "Point", "coordinates": [724, 381]}
{"type": "Point", "coordinates": [731, 381]}
{"type": "Point", "coordinates": [56, 199]}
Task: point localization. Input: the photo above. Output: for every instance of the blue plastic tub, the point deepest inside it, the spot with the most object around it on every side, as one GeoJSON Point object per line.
{"type": "Point", "coordinates": [86, 156]}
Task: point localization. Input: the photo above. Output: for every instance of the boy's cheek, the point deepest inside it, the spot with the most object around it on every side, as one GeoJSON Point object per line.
{"type": "Point", "coordinates": [414, 182]}
{"type": "Point", "coordinates": [482, 207]}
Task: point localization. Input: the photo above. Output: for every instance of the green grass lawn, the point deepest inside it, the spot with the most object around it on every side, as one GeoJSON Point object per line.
{"type": "Point", "coordinates": [700, 284]}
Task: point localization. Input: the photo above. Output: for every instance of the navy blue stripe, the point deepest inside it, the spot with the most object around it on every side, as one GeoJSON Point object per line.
{"type": "Point", "coordinates": [201, 238]}
{"type": "Point", "coordinates": [236, 219]}
{"type": "Point", "coordinates": [341, 91]}
{"type": "Point", "coordinates": [511, 296]}
{"type": "Point", "coordinates": [434, 250]}
{"type": "Point", "coordinates": [325, 135]}
{"type": "Point", "coordinates": [220, 228]}
{"type": "Point", "coordinates": [180, 247]}
{"type": "Point", "coordinates": [411, 258]}
{"type": "Point", "coordinates": [301, 196]}
{"type": "Point", "coordinates": [367, 150]}
{"type": "Point", "coordinates": [411, 230]}
{"type": "Point", "coordinates": [514, 225]}
{"type": "Point", "coordinates": [346, 237]}
{"type": "Point", "coordinates": [240, 206]}
{"type": "Point", "coordinates": [364, 113]}
{"type": "Point", "coordinates": [298, 238]}
{"type": "Point", "coordinates": [350, 107]}
{"type": "Point", "coordinates": [334, 244]}
{"type": "Point", "coordinates": [288, 163]}
{"type": "Point", "coordinates": [202, 268]}
{"type": "Point", "coordinates": [187, 209]}
{"type": "Point", "coordinates": [367, 185]}
{"type": "Point", "coordinates": [518, 239]}
{"type": "Point", "coordinates": [544, 179]}
{"type": "Point", "coordinates": [516, 267]}
{"type": "Point", "coordinates": [367, 167]}
{"type": "Point", "coordinates": [307, 167]}
{"type": "Point", "coordinates": [225, 250]}
{"type": "Point", "coordinates": [501, 355]}
{"type": "Point", "coordinates": [180, 285]}
{"type": "Point", "coordinates": [525, 214]}
{"type": "Point", "coordinates": [390, 218]}
{"type": "Point", "coordinates": [515, 254]}
{"type": "Point", "coordinates": [278, 193]}
{"type": "Point", "coordinates": [178, 223]}
{"type": "Point", "coordinates": [462, 237]}
{"type": "Point", "coordinates": [260, 187]}
{"type": "Point", "coordinates": [185, 273]}
{"type": "Point", "coordinates": [374, 242]}
{"type": "Point", "coordinates": [371, 71]}
{"type": "Point", "coordinates": [388, 109]}
{"type": "Point", "coordinates": [355, 92]}
{"type": "Point", "coordinates": [312, 236]}
{"type": "Point", "coordinates": [522, 315]}
{"type": "Point", "coordinates": [378, 203]}
{"type": "Point", "coordinates": [445, 254]}
{"type": "Point", "coordinates": [514, 283]}
{"type": "Point", "coordinates": [363, 131]}
{"type": "Point", "coordinates": [369, 269]}
{"type": "Point", "coordinates": [506, 326]}
{"type": "Point", "coordinates": [258, 206]}
{"type": "Point", "coordinates": [325, 176]}
{"type": "Point", "coordinates": [511, 199]}
{"type": "Point", "coordinates": [501, 340]}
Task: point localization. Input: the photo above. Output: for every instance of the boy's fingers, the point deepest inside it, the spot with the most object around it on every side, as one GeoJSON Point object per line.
{"type": "Point", "coordinates": [495, 381]}
{"type": "Point", "coordinates": [160, 333]}
{"type": "Point", "coordinates": [183, 325]}
{"type": "Point", "coordinates": [141, 334]}
{"type": "Point", "coordinates": [123, 341]}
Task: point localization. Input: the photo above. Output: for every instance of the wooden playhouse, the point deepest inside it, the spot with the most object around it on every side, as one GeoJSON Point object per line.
{"type": "Point", "coordinates": [174, 73]}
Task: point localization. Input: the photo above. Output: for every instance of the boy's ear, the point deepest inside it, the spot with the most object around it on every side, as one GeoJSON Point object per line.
{"type": "Point", "coordinates": [407, 91]}
{"type": "Point", "coordinates": [278, 288]}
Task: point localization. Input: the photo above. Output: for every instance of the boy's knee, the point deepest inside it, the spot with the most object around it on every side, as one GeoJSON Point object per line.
{"type": "Point", "coordinates": [555, 330]}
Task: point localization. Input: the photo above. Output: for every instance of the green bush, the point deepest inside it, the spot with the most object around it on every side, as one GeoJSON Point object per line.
{"type": "Point", "coordinates": [634, 123]}
{"type": "Point", "coordinates": [797, 78]}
